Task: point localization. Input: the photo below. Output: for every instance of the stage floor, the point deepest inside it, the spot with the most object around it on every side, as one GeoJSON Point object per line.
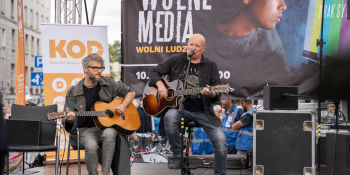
{"type": "Point", "coordinates": [136, 169]}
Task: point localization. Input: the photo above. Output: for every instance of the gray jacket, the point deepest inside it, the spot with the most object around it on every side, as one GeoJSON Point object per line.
{"type": "Point", "coordinates": [75, 99]}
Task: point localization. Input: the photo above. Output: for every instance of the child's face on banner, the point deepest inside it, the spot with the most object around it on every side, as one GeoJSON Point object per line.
{"type": "Point", "coordinates": [266, 13]}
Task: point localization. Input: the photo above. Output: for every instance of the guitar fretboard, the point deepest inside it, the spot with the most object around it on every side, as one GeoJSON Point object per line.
{"type": "Point", "coordinates": [91, 113]}
{"type": "Point", "coordinates": [193, 91]}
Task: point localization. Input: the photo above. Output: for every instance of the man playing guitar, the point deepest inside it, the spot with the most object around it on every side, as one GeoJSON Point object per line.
{"type": "Point", "coordinates": [202, 72]}
{"type": "Point", "coordinates": [81, 97]}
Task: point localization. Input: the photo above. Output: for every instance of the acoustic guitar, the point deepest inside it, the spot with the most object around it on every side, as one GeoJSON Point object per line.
{"type": "Point", "coordinates": [105, 117]}
{"type": "Point", "coordinates": [155, 105]}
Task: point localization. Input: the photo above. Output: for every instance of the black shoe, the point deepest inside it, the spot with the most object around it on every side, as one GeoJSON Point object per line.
{"type": "Point", "coordinates": [174, 163]}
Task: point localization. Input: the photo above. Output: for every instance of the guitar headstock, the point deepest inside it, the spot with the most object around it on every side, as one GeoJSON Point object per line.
{"type": "Point", "coordinates": [54, 115]}
{"type": "Point", "coordinates": [226, 88]}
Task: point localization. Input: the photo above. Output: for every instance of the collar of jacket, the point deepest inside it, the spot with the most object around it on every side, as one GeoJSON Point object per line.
{"type": "Point", "coordinates": [79, 87]}
{"type": "Point", "coordinates": [203, 59]}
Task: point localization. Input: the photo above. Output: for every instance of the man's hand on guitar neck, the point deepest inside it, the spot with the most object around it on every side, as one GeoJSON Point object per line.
{"type": "Point", "coordinates": [70, 116]}
{"type": "Point", "coordinates": [162, 90]}
{"type": "Point", "coordinates": [208, 92]}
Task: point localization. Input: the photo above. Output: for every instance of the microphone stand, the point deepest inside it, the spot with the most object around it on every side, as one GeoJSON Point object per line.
{"type": "Point", "coordinates": [184, 170]}
{"type": "Point", "coordinates": [320, 43]}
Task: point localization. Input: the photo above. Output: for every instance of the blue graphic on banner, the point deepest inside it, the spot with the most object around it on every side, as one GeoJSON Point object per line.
{"type": "Point", "coordinates": [38, 62]}
{"type": "Point", "coordinates": [36, 79]}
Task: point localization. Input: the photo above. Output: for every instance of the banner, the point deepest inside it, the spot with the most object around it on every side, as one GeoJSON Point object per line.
{"type": "Point", "coordinates": [20, 59]}
{"type": "Point", "coordinates": [64, 47]}
{"type": "Point", "coordinates": [336, 31]}
{"type": "Point", "coordinates": [278, 48]}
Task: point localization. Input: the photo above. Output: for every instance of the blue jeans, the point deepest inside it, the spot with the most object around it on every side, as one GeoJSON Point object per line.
{"type": "Point", "coordinates": [92, 138]}
{"type": "Point", "coordinates": [216, 135]}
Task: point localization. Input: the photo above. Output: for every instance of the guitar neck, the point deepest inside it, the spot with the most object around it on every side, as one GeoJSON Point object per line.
{"type": "Point", "coordinates": [193, 91]}
{"type": "Point", "coordinates": [90, 113]}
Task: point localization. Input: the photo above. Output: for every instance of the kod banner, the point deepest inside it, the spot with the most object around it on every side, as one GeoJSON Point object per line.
{"type": "Point", "coordinates": [64, 47]}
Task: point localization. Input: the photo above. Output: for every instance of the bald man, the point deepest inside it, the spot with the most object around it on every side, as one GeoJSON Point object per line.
{"type": "Point", "coordinates": [199, 108]}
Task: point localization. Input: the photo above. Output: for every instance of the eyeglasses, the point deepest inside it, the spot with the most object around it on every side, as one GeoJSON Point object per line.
{"type": "Point", "coordinates": [95, 68]}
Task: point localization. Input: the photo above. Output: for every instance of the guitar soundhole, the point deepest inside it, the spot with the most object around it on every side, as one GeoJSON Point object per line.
{"type": "Point", "coordinates": [109, 113]}
{"type": "Point", "coordinates": [170, 93]}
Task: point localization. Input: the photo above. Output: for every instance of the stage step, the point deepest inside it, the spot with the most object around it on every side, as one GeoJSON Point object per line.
{"type": "Point", "coordinates": [234, 161]}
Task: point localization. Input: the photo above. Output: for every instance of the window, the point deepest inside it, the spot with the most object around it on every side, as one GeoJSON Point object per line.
{"type": "Point", "coordinates": [12, 9]}
{"type": "Point", "coordinates": [32, 46]}
{"type": "Point", "coordinates": [25, 16]}
{"type": "Point", "coordinates": [37, 22]}
{"type": "Point", "coordinates": [13, 74]}
{"type": "Point", "coordinates": [13, 39]}
{"type": "Point", "coordinates": [38, 47]}
{"type": "Point", "coordinates": [2, 7]}
{"type": "Point", "coordinates": [31, 16]}
{"type": "Point", "coordinates": [26, 45]}
{"type": "Point", "coordinates": [3, 37]}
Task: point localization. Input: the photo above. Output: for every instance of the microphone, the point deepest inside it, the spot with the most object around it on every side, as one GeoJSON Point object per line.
{"type": "Point", "coordinates": [191, 54]}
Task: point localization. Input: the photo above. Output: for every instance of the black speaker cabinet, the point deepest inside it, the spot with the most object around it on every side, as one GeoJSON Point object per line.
{"type": "Point", "coordinates": [338, 153]}
{"type": "Point", "coordinates": [280, 97]}
{"type": "Point", "coordinates": [348, 10]}
{"type": "Point", "coordinates": [284, 143]}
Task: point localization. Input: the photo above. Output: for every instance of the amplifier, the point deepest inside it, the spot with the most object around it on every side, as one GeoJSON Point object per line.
{"type": "Point", "coordinates": [338, 153]}
{"type": "Point", "coordinates": [284, 142]}
{"type": "Point", "coordinates": [280, 97]}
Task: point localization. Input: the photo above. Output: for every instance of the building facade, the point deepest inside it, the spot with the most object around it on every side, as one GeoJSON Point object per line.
{"type": "Point", "coordinates": [35, 12]}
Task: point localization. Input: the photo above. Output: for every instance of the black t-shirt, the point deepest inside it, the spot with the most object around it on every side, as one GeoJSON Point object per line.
{"type": "Point", "coordinates": [91, 97]}
{"type": "Point", "coordinates": [246, 119]}
{"type": "Point", "coordinates": [192, 102]}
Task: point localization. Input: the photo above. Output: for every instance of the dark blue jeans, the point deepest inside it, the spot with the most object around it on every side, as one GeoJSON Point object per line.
{"type": "Point", "coordinates": [216, 135]}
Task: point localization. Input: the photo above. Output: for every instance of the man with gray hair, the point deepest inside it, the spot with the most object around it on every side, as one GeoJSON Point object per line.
{"type": "Point", "coordinates": [81, 97]}
{"type": "Point", "coordinates": [202, 73]}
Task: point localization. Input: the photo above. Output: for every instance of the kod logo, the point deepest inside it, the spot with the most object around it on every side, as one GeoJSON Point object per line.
{"type": "Point", "coordinates": [74, 48]}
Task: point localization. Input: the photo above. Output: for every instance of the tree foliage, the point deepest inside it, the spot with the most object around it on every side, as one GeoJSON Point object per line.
{"type": "Point", "coordinates": [114, 51]}
{"type": "Point", "coordinates": [114, 55]}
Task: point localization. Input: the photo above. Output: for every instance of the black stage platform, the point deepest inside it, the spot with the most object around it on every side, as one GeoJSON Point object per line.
{"type": "Point", "coordinates": [136, 169]}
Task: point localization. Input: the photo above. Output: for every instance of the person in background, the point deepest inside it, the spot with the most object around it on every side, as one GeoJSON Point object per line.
{"type": "Point", "coordinates": [331, 117]}
{"type": "Point", "coordinates": [245, 35]}
{"type": "Point", "coordinates": [231, 115]}
{"type": "Point", "coordinates": [3, 139]}
{"type": "Point", "coordinates": [244, 127]}
{"type": "Point", "coordinates": [144, 133]}
{"type": "Point", "coordinates": [7, 112]}
{"type": "Point", "coordinates": [218, 111]}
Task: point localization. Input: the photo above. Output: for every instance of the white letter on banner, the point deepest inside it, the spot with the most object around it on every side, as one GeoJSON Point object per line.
{"type": "Point", "coordinates": [168, 38]}
{"type": "Point", "coordinates": [179, 6]}
{"type": "Point", "coordinates": [188, 30]}
{"type": "Point", "coordinates": [159, 26]}
{"type": "Point", "coordinates": [206, 6]}
{"type": "Point", "coordinates": [178, 27]}
{"type": "Point", "coordinates": [167, 7]}
{"type": "Point", "coordinates": [146, 2]}
{"type": "Point", "coordinates": [197, 4]}
{"type": "Point", "coordinates": [145, 28]}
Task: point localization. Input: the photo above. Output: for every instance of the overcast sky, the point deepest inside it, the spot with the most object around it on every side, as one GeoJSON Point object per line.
{"type": "Point", "coordinates": [108, 13]}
